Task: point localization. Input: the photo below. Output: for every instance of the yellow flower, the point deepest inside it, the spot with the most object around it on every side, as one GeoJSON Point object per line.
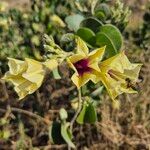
{"type": "Point", "coordinates": [118, 74]}
{"type": "Point", "coordinates": [85, 64]}
{"type": "Point", "coordinates": [27, 76]}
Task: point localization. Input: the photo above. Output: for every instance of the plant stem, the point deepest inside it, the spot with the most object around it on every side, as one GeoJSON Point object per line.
{"type": "Point", "coordinates": [77, 112]}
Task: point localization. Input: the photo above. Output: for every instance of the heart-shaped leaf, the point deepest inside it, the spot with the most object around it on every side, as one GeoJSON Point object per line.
{"type": "Point", "coordinates": [87, 35]}
{"type": "Point", "coordinates": [73, 21]}
{"type": "Point", "coordinates": [110, 36]}
{"type": "Point", "coordinates": [91, 23]}
{"type": "Point", "coordinates": [90, 115]}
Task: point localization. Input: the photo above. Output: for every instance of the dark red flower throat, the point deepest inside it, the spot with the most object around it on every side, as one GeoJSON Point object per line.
{"type": "Point", "coordinates": [82, 66]}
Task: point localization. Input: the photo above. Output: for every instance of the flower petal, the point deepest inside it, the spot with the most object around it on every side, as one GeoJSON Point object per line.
{"type": "Point", "coordinates": [79, 81]}
{"type": "Point", "coordinates": [134, 72]}
{"type": "Point", "coordinates": [112, 86]}
{"type": "Point", "coordinates": [16, 66]}
{"type": "Point", "coordinates": [81, 47]}
{"type": "Point", "coordinates": [20, 93]}
{"type": "Point", "coordinates": [25, 88]}
{"type": "Point", "coordinates": [97, 54]}
{"type": "Point", "coordinates": [119, 63]}
{"type": "Point", "coordinates": [76, 80]}
{"type": "Point", "coordinates": [15, 79]}
{"type": "Point", "coordinates": [35, 72]}
{"type": "Point", "coordinates": [87, 77]}
{"type": "Point", "coordinates": [33, 66]}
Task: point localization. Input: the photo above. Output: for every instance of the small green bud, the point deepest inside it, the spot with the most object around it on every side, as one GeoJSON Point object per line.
{"type": "Point", "coordinates": [63, 114]}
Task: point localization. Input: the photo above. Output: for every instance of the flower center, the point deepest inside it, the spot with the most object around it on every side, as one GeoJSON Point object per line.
{"type": "Point", "coordinates": [82, 66]}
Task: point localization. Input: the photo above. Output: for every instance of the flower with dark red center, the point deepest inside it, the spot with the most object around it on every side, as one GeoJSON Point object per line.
{"type": "Point", "coordinates": [82, 66]}
{"type": "Point", "coordinates": [85, 64]}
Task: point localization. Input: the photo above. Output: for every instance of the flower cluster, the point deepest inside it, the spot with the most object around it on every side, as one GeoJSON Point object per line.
{"type": "Point", "coordinates": [116, 73]}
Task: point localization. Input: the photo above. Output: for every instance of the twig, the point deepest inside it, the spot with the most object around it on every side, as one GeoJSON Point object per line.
{"type": "Point", "coordinates": [47, 147]}
{"type": "Point", "coordinates": [77, 113]}
{"type": "Point", "coordinates": [28, 113]}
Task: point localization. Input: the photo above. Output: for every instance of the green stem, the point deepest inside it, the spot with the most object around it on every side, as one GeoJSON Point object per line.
{"type": "Point", "coordinates": [77, 112]}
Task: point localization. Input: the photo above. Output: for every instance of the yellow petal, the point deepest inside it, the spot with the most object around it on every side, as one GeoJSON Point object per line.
{"type": "Point", "coordinates": [94, 66]}
{"type": "Point", "coordinates": [20, 93]}
{"type": "Point", "coordinates": [79, 81]}
{"type": "Point", "coordinates": [76, 80]}
{"type": "Point", "coordinates": [133, 72]}
{"type": "Point", "coordinates": [94, 58]}
{"type": "Point", "coordinates": [85, 78]}
{"type": "Point", "coordinates": [51, 64]}
{"type": "Point", "coordinates": [105, 65]}
{"type": "Point", "coordinates": [112, 86]}
{"type": "Point", "coordinates": [25, 88]}
{"type": "Point", "coordinates": [33, 66]}
{"type": "Point", "coordinates": [81, 47]}
{"type": "Point", "coordinates": [15, 79]}
{"type": "Point", "coordinates": [24, 85]}
{"type": "Point", "coordinates": [97, 54]}
{"type": "Point", "coordinates": [35, 72]}
{"type": "Point", "coordinates": [34, 78]}
{"type": "Point", "coordinates": [21, 89]}
{"type": "Point", "coordinates": [16, 66]}
{"type": "Point", "coordinates": [119, 63]}
{"type": "Point", "coordinates": [95, 77]}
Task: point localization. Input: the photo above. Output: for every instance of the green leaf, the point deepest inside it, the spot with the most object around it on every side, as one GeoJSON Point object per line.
{"type": "Point", "coordinates": [87, 35]}
{"type": "Point", "coordinates": [80, 118]}
{"type": "Point", "coordinates": [100, 15]}
{"type": "Point", "coordinates": [73, 21]}
{"type": "Point", "coordinates": [90, 115]}
{"type": "Point", "coordinates": [63, 114]}
{"type": "Point", "coordinates": [55, 133]}
{"type": "Point", "coordinates": [66, 134]}
{"type": "Point", "coordinates": [103, 8]}
{"type": "Point", "coordinates": [56, 73]}
{"type": "Point", "coordinates": [91, 23]}
{"type": "Point", "coordinates": [110, 36]}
